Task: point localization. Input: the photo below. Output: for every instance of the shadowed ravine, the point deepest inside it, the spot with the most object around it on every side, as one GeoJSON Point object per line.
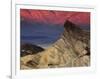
{"type": "Point", "coordinates": [71, 50]}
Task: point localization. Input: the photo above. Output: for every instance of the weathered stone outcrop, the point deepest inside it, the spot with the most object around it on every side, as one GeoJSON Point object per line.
{"type": "Point", "coordinates": [71, 50]}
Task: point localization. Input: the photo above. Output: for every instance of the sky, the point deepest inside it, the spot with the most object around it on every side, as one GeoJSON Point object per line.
{"type": "Point", "coordinates": [44, 27]}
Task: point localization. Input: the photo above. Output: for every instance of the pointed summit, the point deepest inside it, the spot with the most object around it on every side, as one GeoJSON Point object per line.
{"type": "Point", "coordinates": [69, 26]}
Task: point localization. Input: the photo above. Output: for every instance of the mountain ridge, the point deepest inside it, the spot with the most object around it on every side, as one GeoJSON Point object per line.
{"type": "Point", "coordinates": [71, 50]}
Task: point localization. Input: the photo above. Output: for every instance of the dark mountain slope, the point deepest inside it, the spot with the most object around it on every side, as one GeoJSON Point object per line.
{"type": "Point", "coordinates": [28, 49]}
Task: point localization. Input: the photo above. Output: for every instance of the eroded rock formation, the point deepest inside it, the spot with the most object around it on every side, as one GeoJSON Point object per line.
{"type": "Point", "coordinates": [71, 50]}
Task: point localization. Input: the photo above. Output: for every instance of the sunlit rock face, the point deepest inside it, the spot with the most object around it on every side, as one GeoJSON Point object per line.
{"type": "Point", "coordinates": [71, 50]}
{"type": "Point", "coordinates": [74, 45]}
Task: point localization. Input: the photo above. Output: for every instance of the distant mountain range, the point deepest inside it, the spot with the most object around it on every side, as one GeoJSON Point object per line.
{"type": "Point", "coordinates": [29, 49]}
{"type": "Point", "coordinates": [71, 50]}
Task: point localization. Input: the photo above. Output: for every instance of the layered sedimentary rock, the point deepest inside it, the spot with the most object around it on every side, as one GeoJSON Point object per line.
{"type": "Point", "coordinates": [71, 50]}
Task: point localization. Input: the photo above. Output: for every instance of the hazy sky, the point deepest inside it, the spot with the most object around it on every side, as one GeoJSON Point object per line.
{"type": "Point", "coordinates": [41, 27]}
